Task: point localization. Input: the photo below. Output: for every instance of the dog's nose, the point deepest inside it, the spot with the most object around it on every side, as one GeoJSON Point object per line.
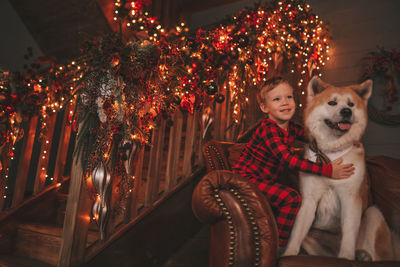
{"type": "Point", "coordinates": [346, 112]}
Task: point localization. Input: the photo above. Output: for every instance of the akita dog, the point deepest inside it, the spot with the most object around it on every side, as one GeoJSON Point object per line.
{"type": "Point", "coordinates": [335, 118]}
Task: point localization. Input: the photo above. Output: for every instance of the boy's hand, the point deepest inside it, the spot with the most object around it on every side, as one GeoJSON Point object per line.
{"type": "Point", "coordinates": [342, 171]}
{"type": "Point", "coordinates": [358, 144]}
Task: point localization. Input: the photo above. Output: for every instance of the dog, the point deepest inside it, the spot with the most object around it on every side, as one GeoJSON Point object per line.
{"type": "Point", "coordinates": [335, 119]}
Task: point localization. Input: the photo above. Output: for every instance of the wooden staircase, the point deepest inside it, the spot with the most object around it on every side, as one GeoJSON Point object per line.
{"type": "Point", "coordinates": [35, 228]}
{"type": "Point", "coordinates": [35, 233]}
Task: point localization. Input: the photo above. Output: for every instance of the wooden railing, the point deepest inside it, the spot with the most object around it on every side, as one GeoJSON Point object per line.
{"type": "Point", "coordinates": [158, 169]}
{"type": "Point", "coordinates": [37, 161]}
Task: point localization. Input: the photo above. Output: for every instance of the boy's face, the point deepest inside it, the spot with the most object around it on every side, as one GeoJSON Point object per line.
{"type": "Point", "coordinates": [279, 103]}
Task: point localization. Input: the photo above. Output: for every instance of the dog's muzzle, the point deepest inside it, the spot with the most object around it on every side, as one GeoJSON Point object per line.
{"type": "Point", "coordinates": [344, 125]}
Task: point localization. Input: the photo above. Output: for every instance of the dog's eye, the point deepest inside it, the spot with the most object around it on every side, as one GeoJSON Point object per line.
{"type": "Point", "coordinates": [351, 104]}
{"type": "Point", "coordinates": [332, 103]}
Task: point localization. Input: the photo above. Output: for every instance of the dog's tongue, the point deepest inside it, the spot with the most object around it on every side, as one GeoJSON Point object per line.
{"type": "Point", "coordinates": [344, 126]}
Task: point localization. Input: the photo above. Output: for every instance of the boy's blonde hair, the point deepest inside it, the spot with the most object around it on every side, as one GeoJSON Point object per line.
{"type": "Point", "coordinates": [267, 86]}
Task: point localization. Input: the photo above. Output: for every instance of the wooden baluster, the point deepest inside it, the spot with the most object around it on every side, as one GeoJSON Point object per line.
{"type": "Point", "coordinates": [153, 173]}
{"type": "Point", "coordinates": [189, 144]}
{"type": "Point", "coordinates": [175, 138]}
{"type": "Point", "coordinates": [62, 149]}
{"type": "Point", "coordinates": [223, 114]}
{"type": "Point", "coordinates": [132, 201]}
{"type": "Point", "coordinates": [228, 118]}
{"type": "Point", "coordinates": [200, 159]}
{"type": "Point", "coordinates": [217, 122]}
{"type": "Point", "coordinates": [76, 221]}
{"type": "Point", "coordinates": [24, 161]}
{"type": "Point", "coordinates": [40, 178]}
{"type": "Point", "coordinates": [114, 217]}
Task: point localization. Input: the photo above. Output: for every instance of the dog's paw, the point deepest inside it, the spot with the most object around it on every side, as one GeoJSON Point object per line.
{"type": "Point", "coordinates": [346, 255]}
{"type": "Point", "coordinates": [289, 252]}
{"type": "Point", "coordinates": [363, 255]}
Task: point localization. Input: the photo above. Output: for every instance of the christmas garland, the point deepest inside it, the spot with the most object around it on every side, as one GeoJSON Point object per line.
{"type": "Point", "coordinates": [123, 87]}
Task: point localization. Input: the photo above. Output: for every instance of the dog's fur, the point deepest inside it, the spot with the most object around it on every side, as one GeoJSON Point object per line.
{"type": "Point", "coordinates": [336, 118]}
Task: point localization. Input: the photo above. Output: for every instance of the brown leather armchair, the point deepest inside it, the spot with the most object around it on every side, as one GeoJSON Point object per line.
{"type": "Point", "coordinates": [242, 226]}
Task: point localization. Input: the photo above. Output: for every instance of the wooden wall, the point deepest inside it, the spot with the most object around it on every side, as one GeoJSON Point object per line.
{"type": "Point", "coordinates": [15, 39]}
{"type": "Point", "coordinates": [358, 27]}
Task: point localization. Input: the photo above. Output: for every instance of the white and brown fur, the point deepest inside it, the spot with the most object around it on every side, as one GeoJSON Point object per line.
{"type": "Point", "coordinates": [338, 207]}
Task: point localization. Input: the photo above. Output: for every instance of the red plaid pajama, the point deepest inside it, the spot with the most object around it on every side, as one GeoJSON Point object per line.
{"type": "Point", "coordinates": [262, 162]}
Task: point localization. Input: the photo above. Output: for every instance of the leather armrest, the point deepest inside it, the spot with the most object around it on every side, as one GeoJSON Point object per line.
{"type": "Point", "coordinates": [220, 155]}
{"type": "Point", "coordinates": [384, 173]}
{"type": "Point", "coordinates": [243, 228]}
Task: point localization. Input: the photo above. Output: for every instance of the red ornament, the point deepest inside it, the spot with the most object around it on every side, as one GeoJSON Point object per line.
{"type": "Point", "coordinates": [219, 98]}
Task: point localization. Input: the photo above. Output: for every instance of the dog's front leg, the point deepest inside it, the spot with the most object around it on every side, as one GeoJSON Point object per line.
{"type": "Point", "coordinates": [302, 225]}
{"type": "Point", "coordinates": [350, 221]}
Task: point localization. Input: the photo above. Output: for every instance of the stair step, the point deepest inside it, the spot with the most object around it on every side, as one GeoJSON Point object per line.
{"type": "Point", "coordinates": [42, 241]}
{"type": "Point", "coordinates": [17, 261]}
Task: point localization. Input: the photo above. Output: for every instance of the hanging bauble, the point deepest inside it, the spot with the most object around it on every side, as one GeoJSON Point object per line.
{"type": "Point", "coordinates": [189, 102]}
{"type": "Point", "coordinates": [101, 179]}
{"type": "Point", "coordinates": [127, 153]}
{"type": "Point", "coordinates": [206, 120]}
{"type": "Point", "coordinates": [127, 146]}
{"type": "Point", "coordinates": [219, 98]}
{"type": "Point", "coordinates": [212, 88]}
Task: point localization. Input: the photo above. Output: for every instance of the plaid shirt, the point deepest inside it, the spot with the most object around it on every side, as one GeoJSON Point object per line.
{"type": "Point", "coordinates": [269, 152]}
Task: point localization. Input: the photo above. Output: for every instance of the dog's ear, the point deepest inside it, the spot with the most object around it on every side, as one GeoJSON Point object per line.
{"type": "Point", "coordinates": [364, 90]}
{"type": "Point", "coordinates": [315, 86]}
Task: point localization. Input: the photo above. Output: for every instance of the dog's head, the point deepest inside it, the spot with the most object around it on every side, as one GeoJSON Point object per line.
{"type": "Point", "coordinates": [336, 116]}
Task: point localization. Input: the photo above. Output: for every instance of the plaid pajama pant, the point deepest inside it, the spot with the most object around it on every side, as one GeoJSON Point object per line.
{"type": "Point", "coordinates": [285, 203]}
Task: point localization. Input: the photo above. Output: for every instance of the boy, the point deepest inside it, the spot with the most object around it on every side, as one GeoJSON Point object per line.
{"type": "Point", "coordinates": [268, 154]}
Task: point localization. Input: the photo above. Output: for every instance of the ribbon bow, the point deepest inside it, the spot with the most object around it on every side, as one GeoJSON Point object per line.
{"type": "Point", "coordinates": [321, 157]}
